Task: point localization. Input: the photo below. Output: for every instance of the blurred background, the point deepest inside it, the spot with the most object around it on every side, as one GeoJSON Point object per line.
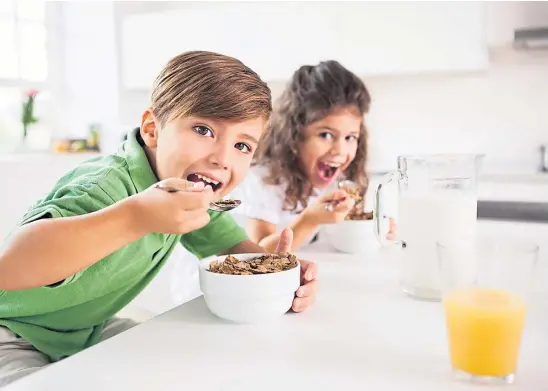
{"type": "Point", "coordinates": [75, 77]}
{"type": "Point", "coordinates": [444, 76]}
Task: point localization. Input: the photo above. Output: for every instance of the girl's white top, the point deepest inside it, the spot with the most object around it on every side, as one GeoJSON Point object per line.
{"type": "Point", "coordinates": [265, 202]}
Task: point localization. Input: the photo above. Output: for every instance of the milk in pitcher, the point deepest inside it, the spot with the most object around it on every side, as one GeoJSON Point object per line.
{"type": "Point", "coordinates": [423, 219]}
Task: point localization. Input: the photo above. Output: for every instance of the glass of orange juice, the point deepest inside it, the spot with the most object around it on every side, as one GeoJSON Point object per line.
{"type": "Point", "coordinates": [485, 288]}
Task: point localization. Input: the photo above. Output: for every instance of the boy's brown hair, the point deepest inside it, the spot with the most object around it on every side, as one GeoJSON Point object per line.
{"type": "Point", "coordinates": [209, 85]}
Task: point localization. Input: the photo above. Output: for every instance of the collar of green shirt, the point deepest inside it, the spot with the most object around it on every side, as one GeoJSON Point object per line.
{"type": "Point", "coordinates": [139, 167]}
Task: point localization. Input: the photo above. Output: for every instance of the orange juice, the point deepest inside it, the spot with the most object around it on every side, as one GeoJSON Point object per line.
{"type": "Point", "coordinates": [484, 327]}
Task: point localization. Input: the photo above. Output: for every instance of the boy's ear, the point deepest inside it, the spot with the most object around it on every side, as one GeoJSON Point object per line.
{"type": "Point", "coordinates": [149, 128]}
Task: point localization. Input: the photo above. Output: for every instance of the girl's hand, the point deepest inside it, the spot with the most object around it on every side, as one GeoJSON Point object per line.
{"type": "Point", "coordinates": [391, 235]}
{"type": "Point", "coordinates": [319, 212]}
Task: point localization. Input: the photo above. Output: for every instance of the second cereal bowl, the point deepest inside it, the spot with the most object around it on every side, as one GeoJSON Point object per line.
{"type": "Point", "coordinates": [248, 298]}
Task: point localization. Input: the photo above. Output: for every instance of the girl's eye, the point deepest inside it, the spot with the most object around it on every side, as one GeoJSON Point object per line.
{"type": "Point", "coordinates": [351, 138]}
{"type": "Point", "coordinates": [326, 135]}
{"type": "Point", "coordinates": [243, 147]}
{"type": "Point", "coordinates": [203, 130]}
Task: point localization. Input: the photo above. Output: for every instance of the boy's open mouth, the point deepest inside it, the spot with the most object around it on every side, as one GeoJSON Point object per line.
{"type": "Point", "coordinates": [215, 184]}
{"type": "Point", "coordinates": [326, 171]}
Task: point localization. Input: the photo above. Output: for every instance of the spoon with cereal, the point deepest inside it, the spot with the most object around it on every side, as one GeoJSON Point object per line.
{"type": "Point", "coordinates": [347, 184]}
{"type": "Point", "coordinates": [224, 205]}
{"type": "Point", "coordinates": [350, 187]}
{"type": "Point", "coordinates": [217, 206]}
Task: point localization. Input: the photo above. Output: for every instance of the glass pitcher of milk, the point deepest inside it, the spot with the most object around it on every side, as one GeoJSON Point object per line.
{"type": "Point", "coordinates": [436, 200]}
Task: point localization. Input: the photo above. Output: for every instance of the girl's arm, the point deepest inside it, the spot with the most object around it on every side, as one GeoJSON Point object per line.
{"type": "Point", "coordinates": [264, 233]}
{"type": "Point", "coordinates": [305, 223]}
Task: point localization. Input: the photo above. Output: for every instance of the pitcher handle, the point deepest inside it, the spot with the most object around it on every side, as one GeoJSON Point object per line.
{"type": "Point", "coordinates": [377, 217]}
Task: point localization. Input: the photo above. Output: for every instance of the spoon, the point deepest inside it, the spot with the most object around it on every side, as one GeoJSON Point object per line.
{"type": "Point", "coordinates": [218, 206]}
{"type": "Point", "coordinates": [347, 183]}
{"type": "Point", "coordinates": [224, 205]}
{"type": "Point", "coordinates": [330, 205]}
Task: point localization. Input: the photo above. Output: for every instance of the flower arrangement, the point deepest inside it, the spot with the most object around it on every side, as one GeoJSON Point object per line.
{"type": "Point", "coordinates": [27, 114]}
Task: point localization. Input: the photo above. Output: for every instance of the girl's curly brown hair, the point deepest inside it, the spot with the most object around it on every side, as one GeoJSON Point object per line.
{"type": "Point", "coordinates": [313, 93]}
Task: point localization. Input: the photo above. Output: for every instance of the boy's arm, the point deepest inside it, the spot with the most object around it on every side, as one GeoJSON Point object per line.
{"type": "Point", "coordinates": [49, 250]}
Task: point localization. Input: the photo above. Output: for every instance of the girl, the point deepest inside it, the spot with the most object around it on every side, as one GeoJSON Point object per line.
{"type": "Point", "coordinates": [317, 137]}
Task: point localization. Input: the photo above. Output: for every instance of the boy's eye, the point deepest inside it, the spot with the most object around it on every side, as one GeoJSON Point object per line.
{"type": "Point", "coordinates": [243, 147]}
{"type": "Point", "coordinates": [203, 130]}
{"type": "Point", "coordinates": [326, 135]}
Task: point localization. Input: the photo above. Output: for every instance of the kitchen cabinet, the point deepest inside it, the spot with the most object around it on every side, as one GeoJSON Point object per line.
{"type": "Point", "coordinates": [275, 38]}
{"type": "Point", "coordinates": [385, 38]}
{"type": "Point", "coordinates": [504, 17]}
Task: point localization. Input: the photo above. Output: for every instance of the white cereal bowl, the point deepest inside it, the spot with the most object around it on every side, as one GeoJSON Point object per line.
{"type": "Point", "coordinates": [248, 298]}
{"type": "Point", "coordinates": [351, 236]}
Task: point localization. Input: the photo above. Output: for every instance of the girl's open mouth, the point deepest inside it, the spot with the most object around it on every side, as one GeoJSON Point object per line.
{"type": "Point", "coordinates": [327, 171]}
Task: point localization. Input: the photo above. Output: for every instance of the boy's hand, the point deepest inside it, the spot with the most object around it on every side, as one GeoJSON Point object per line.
{"type": "Point", "coordinates": [173, 213]}
{"type": "Point", "coordinates": [318, 213]}
{"type": "Point", "coordinates": [306, 294]}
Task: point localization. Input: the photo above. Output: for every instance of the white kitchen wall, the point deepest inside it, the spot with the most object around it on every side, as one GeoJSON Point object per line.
{"type": "Point", "coordinates": [500, 112]}
{"type": "Point", "coordinates": [90, 65]}
{"type": "Point", "coordinates": [132, 103]}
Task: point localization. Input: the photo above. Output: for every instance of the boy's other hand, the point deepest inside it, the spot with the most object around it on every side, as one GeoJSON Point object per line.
{"type": "Point", "coordinates": [306, 294]}
{"type": "Point", "coordinates": [173, 213]}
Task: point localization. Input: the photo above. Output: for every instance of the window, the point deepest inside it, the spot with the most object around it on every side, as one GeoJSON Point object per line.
{"type": "Point", "coordinates": [23, 40]}
{"type": "Point", "coordinates": [24, 61]}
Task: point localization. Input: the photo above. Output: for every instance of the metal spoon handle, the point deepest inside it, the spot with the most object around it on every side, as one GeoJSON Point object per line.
{"type": "Point", "coordinates": [218, 207]}
{"type": "Point", "coordinates": [169, 189]}
{"type": "Point", "coordinates": [347, 183]}
{"type": "Point", "coordinates": [330, 205]}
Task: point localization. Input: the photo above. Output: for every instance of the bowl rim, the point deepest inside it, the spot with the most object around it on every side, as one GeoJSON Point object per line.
{"type": "Point", "coordinates": [354, 221]}
{"type": "Point", "coordinates": [345, 224]}
{"type": "Point", "coordinates": [204, 264]}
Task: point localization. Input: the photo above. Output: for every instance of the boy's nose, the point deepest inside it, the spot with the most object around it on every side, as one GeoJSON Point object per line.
{"type": "Point", "coordinates": [220, 157]}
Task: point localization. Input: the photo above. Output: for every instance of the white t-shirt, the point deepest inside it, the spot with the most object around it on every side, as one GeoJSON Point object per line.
{"type": "Point", "coordinates": [265, 202]}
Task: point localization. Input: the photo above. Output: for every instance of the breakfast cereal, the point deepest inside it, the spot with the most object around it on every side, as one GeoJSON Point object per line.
{"type": "Point", "coordinates": [264, 264]}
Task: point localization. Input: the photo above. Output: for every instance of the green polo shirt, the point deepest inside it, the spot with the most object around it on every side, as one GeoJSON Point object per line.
{"type": "Point", "coordinates": [65, 318]}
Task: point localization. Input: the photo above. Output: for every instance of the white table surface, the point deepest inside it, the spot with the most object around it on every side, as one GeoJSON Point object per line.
{"type": "Point", "coordinates": [362, 333]}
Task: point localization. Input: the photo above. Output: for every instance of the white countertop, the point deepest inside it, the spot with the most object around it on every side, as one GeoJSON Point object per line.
{"type": "Point", "coordinates": [361, 334]}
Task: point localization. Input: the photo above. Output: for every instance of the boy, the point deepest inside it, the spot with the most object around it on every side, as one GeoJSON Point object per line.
{"type": "Point", "coordinates": [104, 231]}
